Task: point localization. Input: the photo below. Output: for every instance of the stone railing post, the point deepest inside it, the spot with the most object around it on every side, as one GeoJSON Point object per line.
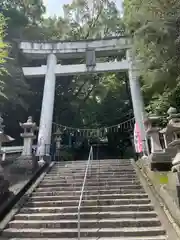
{"type": "Point", "coordinates": [168, 134]}
{"type": "Point", "coordinates": [158, 158]}
{"type": "Point", "coordinates": [153, 132]}
{"type": "Point", "coordinates": [173, 130]}
{"type": "Point", "coordinates": [173, 142]}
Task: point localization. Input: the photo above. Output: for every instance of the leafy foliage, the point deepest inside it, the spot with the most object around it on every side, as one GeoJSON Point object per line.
{"type": "Point", "coordinates": [84, 96]}
{"type": "Point", "coordinates": [154, 26]}
{"type": "Point", "coordinates": [81, 101]}
{"type": "Point", "coordinates": [20, 16]}
{"type": "Point", "coordinates": [3, 53]}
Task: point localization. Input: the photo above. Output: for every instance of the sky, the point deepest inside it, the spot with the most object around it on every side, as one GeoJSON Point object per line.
{"type": "Point", "coordinates": [55, 7]}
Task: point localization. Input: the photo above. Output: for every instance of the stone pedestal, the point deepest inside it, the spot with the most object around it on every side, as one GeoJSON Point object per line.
{"type": "Point", "coordinates": [4, 184]}
{"type": "Point", "coordinates": [27, 160]}
{"type": "Point", "coordinates": [158, 157]}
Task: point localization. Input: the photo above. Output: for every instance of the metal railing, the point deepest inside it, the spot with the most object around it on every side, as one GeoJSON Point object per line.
{"type": "Point", "coordinates": [90, 158]}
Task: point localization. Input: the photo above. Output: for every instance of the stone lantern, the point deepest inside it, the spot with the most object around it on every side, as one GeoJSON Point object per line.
{"type": "Point", "coordinates": [57, 139]}
{"type": "Point", "coordinates": [158, 157]}
{"type": "Point", "coordinates": [27, 158]}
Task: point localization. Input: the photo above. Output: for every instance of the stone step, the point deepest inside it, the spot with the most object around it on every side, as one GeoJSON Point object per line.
{"type": "Point", "coordinates": [90, 197]}
{"type": "Point", "coordinates": [94, 161]}
{"type": "Point", "coordinates": [93, 232]}
{"type": "Point", "coordinates": [62, 175]}
{"type": "Point", "coordinates": [88, 215]}
{"type": "Point", "coordinates": [114, 206]}
{"type": "Point", "coordinates": [101, 176]}
{"type": "Point", "coordinates": [99, 202]}
{"type": "Point", "coordinates": [88, 188]}
{"type": "Point", "coordinates": [73, 209]}
{"type": "Point", "coordinates": [88, 223]}
{"type": "Point", "coordinates": [93, 165]}
{"type": "Point", "coordinates": [70, 179]}
{"type": "Point", "coordinates": [93, 169]}
{"type": "Point", "coordinates": [122, 172]}
{"type": "Point", "coordinates": [89, 178]}
{"type": "Point", "coordinates": [103, 238]}
{"type": "Point", "coordinates": [92, 180]}
{"type": "Point", "coordinates": [86, 193]}
{"type": "Point", "coordinates": [76, 184]}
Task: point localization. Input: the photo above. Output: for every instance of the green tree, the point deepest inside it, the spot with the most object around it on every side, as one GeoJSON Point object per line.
{"type": "Point", "coordinates": [3, 45]}
{"type": "Point", "coordinates": [20, 16]}
{"type": "Point", "coordinates": [154, 26]}
{"type": "Point", "coordinates": [79, 92]}
{"type": "Point", "coordinates": [81, 101]}
{"type": "Point", "coordinates": [3, 54]}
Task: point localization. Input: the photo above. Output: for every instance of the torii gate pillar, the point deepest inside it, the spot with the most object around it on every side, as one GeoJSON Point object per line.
{"type": "Point", "coordinates": [136, 95]}
{"type": "Point", "coordinates": [45, 128]}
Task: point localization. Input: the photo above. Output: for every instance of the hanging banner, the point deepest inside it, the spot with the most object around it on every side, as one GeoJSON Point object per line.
{"type": "Point", "coordinates": [137, 139]}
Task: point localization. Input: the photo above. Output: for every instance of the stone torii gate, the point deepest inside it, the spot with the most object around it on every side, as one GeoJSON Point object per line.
{"type": "Point", "coordinates": [83, 49]}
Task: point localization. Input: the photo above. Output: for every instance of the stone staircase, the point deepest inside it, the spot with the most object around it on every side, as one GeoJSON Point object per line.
{"type": "Point", "coordinates": [114, 205]}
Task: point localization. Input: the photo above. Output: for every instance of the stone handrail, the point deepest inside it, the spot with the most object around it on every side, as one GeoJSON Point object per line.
{"type": "Point", "coordinates": [12, 149]}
